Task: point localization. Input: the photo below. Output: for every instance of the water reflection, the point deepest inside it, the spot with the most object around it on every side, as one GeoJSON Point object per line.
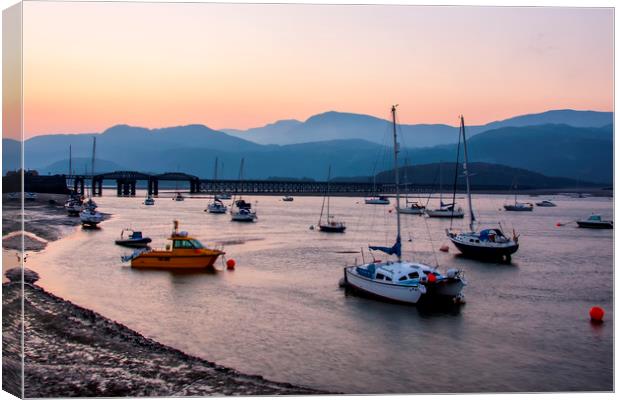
{"type": "Point", "coordinates": [281, 314]}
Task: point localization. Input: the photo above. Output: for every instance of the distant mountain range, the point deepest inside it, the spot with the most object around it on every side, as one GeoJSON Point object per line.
{"type": "Point", "coordinates": [572, 149]}
{"type": "Point", "coordinates": [337, 125]}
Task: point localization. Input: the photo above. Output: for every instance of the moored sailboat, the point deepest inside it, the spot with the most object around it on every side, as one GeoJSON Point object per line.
{"type": "Point", "coordinates": [402, 281]}
{"type": "Point", "coordinates": [489, 243]}
{"type": "Point", "coordinates": [241, 210]}
{"type": "Point", "coordinates": [89, 216]}
{"type": "Point", "coordinates": [216, 206]}
{"type": "Point", "coordinates": [517, 205]}
{"type": "Point", "coordinates": [330, 224]}
{"type": "Point", "coordinates": [445, 210]}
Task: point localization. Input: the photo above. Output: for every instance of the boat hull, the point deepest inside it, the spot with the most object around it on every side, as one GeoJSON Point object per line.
{"type": "Point", "coordinates": [133, 243]}
{"type": "Point", "coordinates": [444, 214]}
{"type": "Point", "coordinates": [484, 252]}
{"type": "Point", "coordinates": [164, 260]}
{"type": "Point", "coordinates": [243, 217]}
{"type": "Point", "coordinates": [595, 225]}
{"type": "Point", "coordinates": [332, 229]}
{"type": "Point", "coordinates": [411, 211]}
{"type": "Point", "coordinates": [383, 291]}
{"type": "Point", "coordinates": [377, 202]}
{"type": "Point", "coordinates": [509, 207]}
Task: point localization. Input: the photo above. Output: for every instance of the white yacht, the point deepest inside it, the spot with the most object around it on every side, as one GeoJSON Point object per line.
{"type": "Point", "coordinates": [403, 281]}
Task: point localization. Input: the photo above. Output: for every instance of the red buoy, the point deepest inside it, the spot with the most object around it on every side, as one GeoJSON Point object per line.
{"type": "Point", "coordinates": [431, 278]}
{"type": "Point", "coordinates": [445, 248]}
{"type": "Point", "coordinates": [596, 314]}
{"type": "Point", "coordinates": [390, 210]}
{"type": "Point", "coordinates": [230, 263]}
{"type": "Point", "coordinates": [558, 224]}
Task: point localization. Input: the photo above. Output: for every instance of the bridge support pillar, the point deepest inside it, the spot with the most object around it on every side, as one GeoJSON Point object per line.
{"type": "Point", "coordinates": [100, 187]}
{"type": "Point", "coordinates": [125, 189]}
{"type": "Point", "coordinates": [155, 187]}
{"type": "Point", "coordinates": [133, 187]}
{"type": "Point", "coordinates": [194, 186]}
{"type": "Point", "coordinates": [119, 188]}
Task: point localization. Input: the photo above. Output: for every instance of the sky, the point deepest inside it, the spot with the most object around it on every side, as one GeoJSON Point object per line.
{"type": "Point", "coordinates": [89, 66]}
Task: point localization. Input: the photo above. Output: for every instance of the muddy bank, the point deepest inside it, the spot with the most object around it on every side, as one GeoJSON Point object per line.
{"type": "Point", "coordinates": [45, 220]}
{"type": "Point", "coordinates": [71, 351]}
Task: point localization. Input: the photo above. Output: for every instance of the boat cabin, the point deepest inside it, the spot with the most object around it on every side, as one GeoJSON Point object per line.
{"type": "Point", "coordinates": [182, 241]}
{"type": "Point", "coordinates": [492, 235]}
{"type": "Point", "coordinates": [135, 235]}
{"type": "Point", "coordinates": [243, 205]}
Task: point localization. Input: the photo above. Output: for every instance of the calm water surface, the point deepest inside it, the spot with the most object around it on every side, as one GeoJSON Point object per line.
{"type": "Point", "coordinates": [281, 314]}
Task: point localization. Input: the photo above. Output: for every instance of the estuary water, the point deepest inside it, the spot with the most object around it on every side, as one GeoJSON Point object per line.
{"type": "Point", "coordinates": [281, 314]}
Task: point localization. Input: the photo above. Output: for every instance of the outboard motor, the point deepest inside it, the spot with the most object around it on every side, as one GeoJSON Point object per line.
{"type": "Point", "coordinates": [452, 273]}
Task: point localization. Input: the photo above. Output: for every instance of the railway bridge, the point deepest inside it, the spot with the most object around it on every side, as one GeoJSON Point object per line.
{"type": "Point", "coordinates": [126, 182]}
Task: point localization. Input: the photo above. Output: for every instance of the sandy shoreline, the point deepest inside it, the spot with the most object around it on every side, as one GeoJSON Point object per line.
{"type": "Point", "coordinates": [71, 351]}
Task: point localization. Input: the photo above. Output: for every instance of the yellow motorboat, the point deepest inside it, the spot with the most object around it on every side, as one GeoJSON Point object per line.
{"type": "Point", "coordinates": [184, 252]}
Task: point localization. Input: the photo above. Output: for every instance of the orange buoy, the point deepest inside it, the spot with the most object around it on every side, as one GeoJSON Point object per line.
{"type": "Point", "coordinates": [431, 278]}
{"type": "Point", "coordinates": [596, 314]}
{"type": "Point", "coordinates": [230, 263]}
{"type": "Point", "coordinates": [445, 248]}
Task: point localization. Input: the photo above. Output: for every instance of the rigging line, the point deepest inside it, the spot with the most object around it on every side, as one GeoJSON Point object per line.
{"type": "Point", "coordinates": [430, 192]}
{"type": "Point", "coordinates": [456, 173]}
{"type": "Point", "coordinates": [430, 239]}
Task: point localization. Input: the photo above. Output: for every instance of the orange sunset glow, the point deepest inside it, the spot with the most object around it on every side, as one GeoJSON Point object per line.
{"type": "Point", "coordinates": [88, 66]}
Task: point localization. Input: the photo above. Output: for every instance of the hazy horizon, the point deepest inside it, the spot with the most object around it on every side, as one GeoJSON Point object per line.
{"type": "Point", "coordinates": [240, 66]}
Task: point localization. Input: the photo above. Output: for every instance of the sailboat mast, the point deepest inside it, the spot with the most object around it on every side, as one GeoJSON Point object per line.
{"type": "Point", "coordinates": [472, 217]}
{"type": "Point", "coordinates": [92, 166]}
{"type": "Point", "coordinates": [440, 185]}
{"type": "Point", "coordinates": [329, 175]}
{"type": "Point", "coordinates": [396, 178]}
{"type": "Point", "coordinates": [215, 170]}
{"type": "Point", "coordinates": [70, 162]}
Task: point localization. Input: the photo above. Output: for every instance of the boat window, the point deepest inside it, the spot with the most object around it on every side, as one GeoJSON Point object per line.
{"type": "Point", "coordinates": [196, 244]}
{"type": "Point", "coordinates": [414, 275]}
{"type": "Point", "coordinates": [387, 278]}
{"type": "Point", "coordinates": [403, 278]}
{"type": "Point", "coordinates": [380, 276]}
{"type": "Point", "coordinates": [183, 244]}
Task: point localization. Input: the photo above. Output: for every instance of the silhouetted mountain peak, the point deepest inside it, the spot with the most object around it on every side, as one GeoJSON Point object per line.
{"type": "Point", "coordinates": [123, 129]}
